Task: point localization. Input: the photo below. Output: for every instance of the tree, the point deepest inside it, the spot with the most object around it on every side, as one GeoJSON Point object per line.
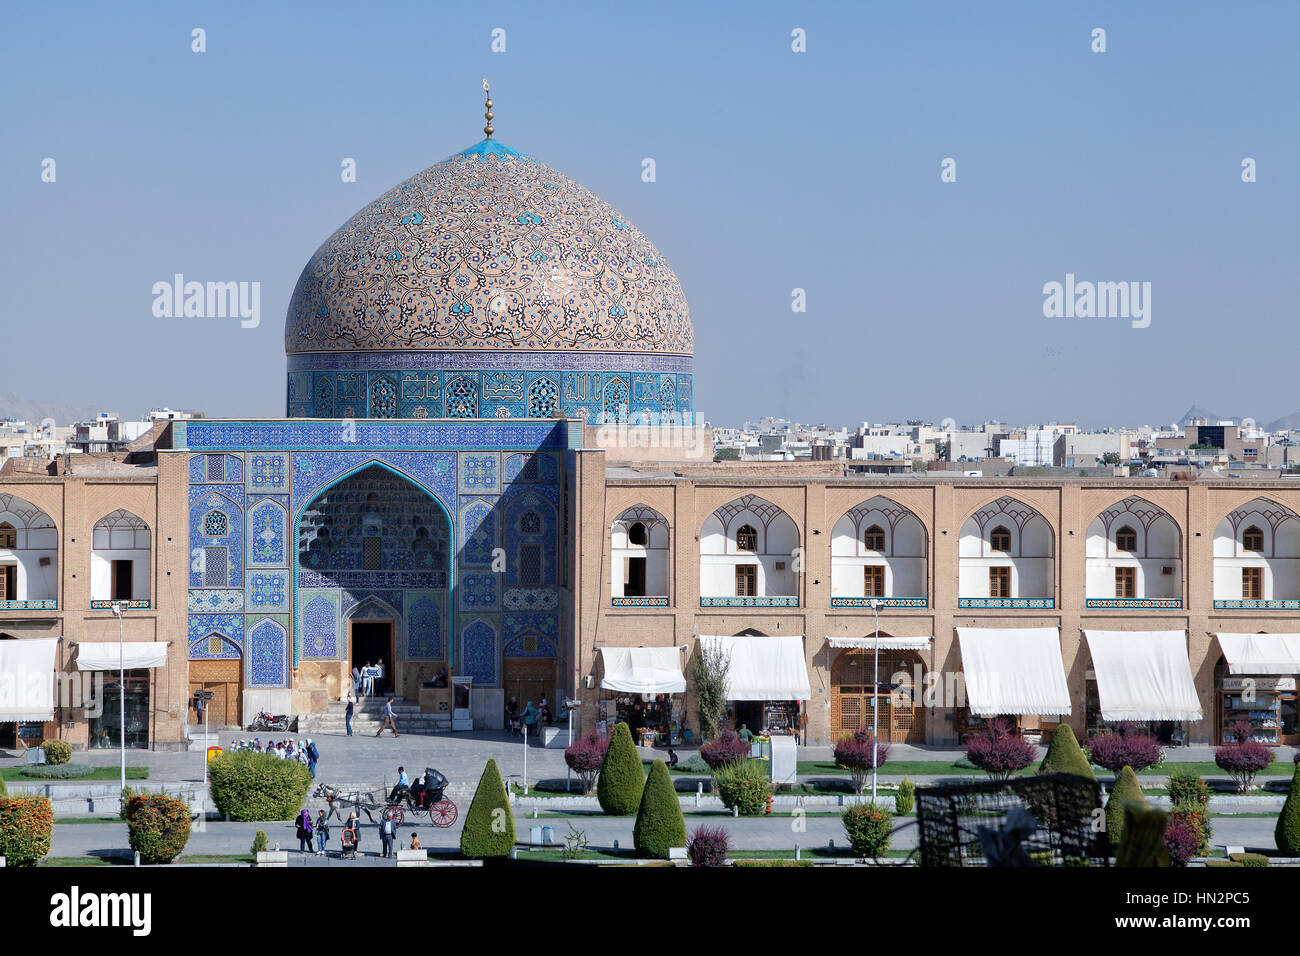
{"type": "Point", "coordinates": [859, 755]}
{"type": "Point", "coordinates": [622, 777]}
{"type": "Point", "coordinates": [999, 751]}
{"type": "Point", "coordinates": [1126, 790]}
{"type": "Point", "coordinates": [584, 757]}
{"type": "Point", "coordinates": [1242, 760]}
{"type": "Point", "coordinates": [1125, 747]}
{"type": "Point", "coordinates": [490, 825]}
{"type": "Point", "coordinates": [660, 825]}
{"type": "Point", "coordinates": [709, 669]}
{"type": "Point", "coordinates": [1064, 755]}
{"type": "Point", "coordinates": [1287, 832]}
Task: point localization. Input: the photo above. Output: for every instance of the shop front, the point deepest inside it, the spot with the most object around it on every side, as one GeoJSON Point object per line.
{"type": "Point", "coordinates": [27, 695]}
{"type": "Point", "coordinates": [877, 672]}
{"type": "Point", "coordinates": [1255, 689]}
{"type": "Point", "coordinates": [121, 714]}
{"type": "Point", "coordinates": [644, 687]}
{"type": "Point", "coordinates": [1016, 673]}
{"type": "Point", "coordinates": [1142, 679]}
{"type": "Point", "coordinates": [767, 683]}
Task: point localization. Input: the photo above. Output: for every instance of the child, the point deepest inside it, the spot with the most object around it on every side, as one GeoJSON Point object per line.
{"type": "Point", "coordinates": [415, 841]}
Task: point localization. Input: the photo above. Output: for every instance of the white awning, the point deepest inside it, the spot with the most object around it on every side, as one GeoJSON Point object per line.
{"type": "Point", "coordinates": [764, 668]}
{"type": "Point", "coordinates": [1013, 670]}
{"type": "Point", "coordinates": [1143, 675]}
{"type": "Point", "coordinates": [886, 643]}
{"type": "Point", "coordinates": [27, 679]}
{"type": "Point", "coordinates": [643, 670]}
{"type": "Point", "coordinates": [93, 656]}
{"type": "Point", "coordinates": [1261, 653]}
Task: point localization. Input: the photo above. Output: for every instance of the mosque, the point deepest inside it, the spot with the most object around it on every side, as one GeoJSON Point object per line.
{"type": "Point", "coordinates": [491, 467]}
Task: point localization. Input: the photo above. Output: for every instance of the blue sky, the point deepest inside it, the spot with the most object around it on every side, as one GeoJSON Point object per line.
{"type": "Point", "coordinates": [776, 170]}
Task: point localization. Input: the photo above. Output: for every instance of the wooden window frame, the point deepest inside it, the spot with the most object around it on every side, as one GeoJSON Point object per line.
{"type": "Point", "coordinates": [1000, 533]}
{"type": "Point", "coordinates": [1252, 584]}
{"type": "Point", "coordinates": [1126, 583]}
{"type": "Point", "coordinates": [873, 539]}
{"type": "Point", "coordinates": [747, 580]}
{"type": "Point", "coordinates": [8, 537]}
{"type": "Point", "coordinates": [1126, 540]}
{"type": "Point", "coordinates": [747, 539]}
{"type": "Point", "coordinates": [1000, 581]}
{"type": "Point", "coordinates": [1252, 540]}
{"type": "Point", "coordinates": [873, 580]}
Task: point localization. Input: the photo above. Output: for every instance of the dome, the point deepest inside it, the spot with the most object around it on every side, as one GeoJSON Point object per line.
{"type": "Point", "coordinates": [489, 286]}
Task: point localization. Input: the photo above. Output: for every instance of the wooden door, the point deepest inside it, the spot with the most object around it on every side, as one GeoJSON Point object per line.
{"type": "Point", "coordinates": [528, 678]}
{"type": "Point", "coordinates": [223, 678]}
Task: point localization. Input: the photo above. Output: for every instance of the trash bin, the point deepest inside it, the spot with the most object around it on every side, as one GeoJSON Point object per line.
{"type": "Point", "coordinates": [214, 752]}
{"type": "Point", "coordinates": [535, 836]}
{"type": "Point", "coordinates": [548, 836]}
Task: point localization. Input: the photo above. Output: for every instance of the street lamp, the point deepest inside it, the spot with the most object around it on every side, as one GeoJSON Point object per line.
{"type": "Point", "coordinates": [121, 691]}
{"type": "Point", "coordinates": [875, 703]}
{"type": "Point", "coordinates": [205, 696]}
{"type": "Point", "coordinates": [570, 705]}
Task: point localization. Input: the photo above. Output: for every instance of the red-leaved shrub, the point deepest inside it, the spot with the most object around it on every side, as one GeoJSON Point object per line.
{"type": "Point", "coordinates": [858, 755]}
{"type": "Point", "coordinates": [708, 846]}
{"type": "Point", "coordinates": [999, 751]}
{"type": "Point", "coordinates": [584, 757]}
{"type": "Point", "coordinates": [1182, 840]}
{"type": "Point", "coordinates": [1242, 761]}
{"type": "Point", "coordinates": [1125, 747]}
{"type": "Point", "coordinates": [725, 749]}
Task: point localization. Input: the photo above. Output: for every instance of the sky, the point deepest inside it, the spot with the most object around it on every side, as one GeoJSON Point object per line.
{"type": "Point", "coordinates": [776, 171]}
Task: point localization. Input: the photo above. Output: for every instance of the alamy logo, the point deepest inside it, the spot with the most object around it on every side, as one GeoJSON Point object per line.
{"type": "Point", "coordinates": [75, 909]}
{"type": "Point", "coordinates": [208, 300]}
{"type": "Point", "coordinates": [1098, 300]}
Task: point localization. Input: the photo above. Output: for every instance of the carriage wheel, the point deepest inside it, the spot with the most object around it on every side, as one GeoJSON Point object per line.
{"type": "Point", "coordinates": [442, 813]}
{"type": "Point", "coordinates": [394, 813]}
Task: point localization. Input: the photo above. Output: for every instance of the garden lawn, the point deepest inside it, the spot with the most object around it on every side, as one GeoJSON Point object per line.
{"type": "Point", "coordinates": [14, 775]}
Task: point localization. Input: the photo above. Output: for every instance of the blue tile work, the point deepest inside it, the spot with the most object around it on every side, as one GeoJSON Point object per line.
{"type": "Point", "coordinates": [201, 435]}
{"type": "Point", "coordinates": [225, 650]}
{"type": "Point", "coordinates": [230, 626]}
{"type": "Point", "coordinates": [425, 626]}
{"type": "Point", "coordinates": [268, 522]}
{"type": "Point", "coordinates": [268, 639]}
{"type": "Point", "coordinates": [478, 531]}
{"type": "Point", "coordinates": [478, 591]}
{"type": "Point", "coordinates": [516, 629]}
{"type": "Point", "coordinates": [318, 624]}
{"type": "Point", "coordinates": [479, 652]}
{"type": "Point", "coordinates": [216, 508]}
{"type": "Point", "coordinates": [214, 601]}
{"type": "Point", "coordinates": [215, 469]}
{"type": "Point", "coordinates": [268, 473]}
{"type": "Point", "coordinates": [480, 474]}
{"type": "Point", "coordinates": [268, 591]}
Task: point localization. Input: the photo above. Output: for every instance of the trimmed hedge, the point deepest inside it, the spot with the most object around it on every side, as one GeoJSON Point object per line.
{"type": "Point", "coordinates": [1125, 790]}
{"type": "Point", "coordinates": [905, 799]}
{"type": "Point", "coordinates": [868, 829]}
{"type": "Point", "coordinates": [1064, 755]}
{"type": "Point", "coordinates": [249, 786]}
{"type": "Point", "coordinates": [744, 786]}
{"type": "Point", "coordinates": [490, 825]}
{"type": "Point", "coordinates": [25, 827]}
{"type": "Point", "coordinates": [660, 825]}
{"type": "Point", "coordinates": [56, 751]}
{"type": "Point", "coordinates": [1287, 832]}
{"type": "Point", "coordinates": [4, 790]}
{"type": "Point", "coordinates": [57, 771]}
{"type": "Point", "coordinates": [159, 827]}
{"type": "Point", "coordinates": [622, 775]}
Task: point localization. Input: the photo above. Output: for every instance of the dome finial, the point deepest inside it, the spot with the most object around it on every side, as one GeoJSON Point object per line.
{"type": "Point", "coordinates": [488, 115]}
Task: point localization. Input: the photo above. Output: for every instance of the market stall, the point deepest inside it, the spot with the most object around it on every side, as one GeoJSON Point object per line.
{"type": "Point", "coordinates": [644, 687]}
{"type": "Point", "coordinates": [767, 681]}
{"type": "Point", "coordinates": [1255, 688]}
{"type": "Point", "coordinates": [1013, 672]}
{"type": "Point", "coordinates": [1140, 677]}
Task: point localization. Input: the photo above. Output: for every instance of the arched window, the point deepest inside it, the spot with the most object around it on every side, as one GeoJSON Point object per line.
{"type": "Point", "coordinates": [746, 538]}
{"type": "Point", "coordinates": [873, 539]}
{"type": "Point", "coordinates": [1252, 539]}
{"type": "Point", "coordinates": [637, 534]}
{"type": "Point", "coordinates": [1000, 540]}
{"type": "Point", "coordinates": [215, 524]}
{"type": "Point", "coordinates": [530, 522]}
{"type": "Point", "coordinates": [8, 536]}
{"type": "Point", "coordinates": [1126, 539]}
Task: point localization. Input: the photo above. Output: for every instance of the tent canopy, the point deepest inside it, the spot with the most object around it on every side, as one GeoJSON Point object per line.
{"type": "Point", "coordinates": [1143, 675]}
{"type": "Point", "coordinates": [1013, 670]}
{"type": "Point", "coordinates": [27, 679]}
{"type": "Point", "coordinates": [93, 656]}
{"type": "Point", "coordinates": [643, 670]}
{"type": "Point", "coordinates": [885, 643]}
{"type": "Point", "coordinates": [1261, 653]}
{"type": "Point", "coordinates": [764, 668]}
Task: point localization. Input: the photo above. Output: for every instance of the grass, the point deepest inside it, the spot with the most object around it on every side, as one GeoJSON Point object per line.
{"type": "Point", "coordinates": [209, 859]}
{"type": "Point", "coordinates": [83, 861]}
{"type": "Point", "coordinates": [14, 775]}
{"type": "Point", "coordinates": [89, 820]}
{"type": "Point", "coordinates": [946, 768]}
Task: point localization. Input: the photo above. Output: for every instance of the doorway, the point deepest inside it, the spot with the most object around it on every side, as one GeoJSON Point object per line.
{"type": "Point", "coordinates": [371, 642]}
{"type": "Point", "coordinates": [225, 709]}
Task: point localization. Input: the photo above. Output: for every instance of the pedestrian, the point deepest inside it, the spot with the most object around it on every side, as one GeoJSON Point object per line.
{"type": "Point", "coordinates": [304, 831]}
{"type": "Point", "coordinates": [367, 679]}
{"type": "Point", "coordinates": [347, 714]}
{"type": "Point", "coordinates": [672, 757]}
{"type": "Point", "coordinates": [313, 755]}
{"type": "Point", "coordinates": [322, 832]}
{"type": "Point", "coordinates": [530, 717]}
{"type": "Point", "coordinates": [354, 824]}
{"type": "Point", "coordinates": [389, 720]}
{"type": "Point", "coordinates": [356, 681]}
{"type": "Point", "coordinates": [415, 841]}
{"type": "Point", "coordinates": [387, 834]}
{"type": "Point", "coordinates": [545, 709]}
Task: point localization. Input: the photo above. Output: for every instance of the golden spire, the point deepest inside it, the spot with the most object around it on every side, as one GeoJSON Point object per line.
{"type": "Point", "coordinates": [488, 115]}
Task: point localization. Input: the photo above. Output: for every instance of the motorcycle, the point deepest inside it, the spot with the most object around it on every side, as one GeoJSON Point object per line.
{"type": "Point", "coordinates": [265, 721]}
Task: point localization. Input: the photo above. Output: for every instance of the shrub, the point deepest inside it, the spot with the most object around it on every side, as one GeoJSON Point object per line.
{"type": "Point", "coordinates": [709, 669]}
{"type": "Point", "coordinates": [868, 829]}
{"type": "Point", "coordinates": [1287, 832]}
{"type": "Point", "coordinates": [259, 843]}
{"type": "Point", "coordinates": [1242, 760]}
{"type": "Point", "coordinates": [490, 825]}
{"type": "Point", "coordinates": [1125, 748]}
{"type": "Point", "coordinates": [859, 755]}
{"type": "Point", "coordinates": [57, 771]}
{"type": "Point", "coordinates": [585, 757]}
{"type": "Point", "coordinates": [905, 799]}
{"type": "Point", "coordinates": [1142, 843]}
{"type": "Point", "coordinates": [1181, 840]}
{"type": "Point", "coordinates": [744, 787]}
{"type": "Point", "coordinates": [1250, 859]}
{"type": "Point", "coordinates": [56, 751]}
{"type": "Point", "coordinates": [25, 827]}
{"type": "Point", "coordinates": [693, 764]}
{"type": "Point", "coordinates": [622, 776]}
{"type": "Point", "coordinates": [724, 750]}
{"type": "Point", "coordinates": [660, 825]}
{"type": "Point", "coordinates": [999, 751]}
{"type": "Point", "coordinates": [159, 827]}
{"type": "Point", "coordinates": [4, 790]}
{"type": "Point", "coordinates": [1186, 786]}
{"type": "Point", "coordinates": [1064, 755]}
{"type": "Point", "coordinates": [1126, 790]}
{"type": "Point", "coordinates": [127, 793]}
{"type": "Point", "coordinates": [251, 786]}
{"type": "Point", "coordinates": [708, 846]}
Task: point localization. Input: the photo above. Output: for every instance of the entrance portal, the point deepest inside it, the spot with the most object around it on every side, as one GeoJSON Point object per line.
{"type": "Point", "coordinates": [372, 643]}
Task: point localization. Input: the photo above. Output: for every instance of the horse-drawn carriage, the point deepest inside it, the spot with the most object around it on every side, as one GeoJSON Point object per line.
{"type": "Point", "coordinates": [425, 796]}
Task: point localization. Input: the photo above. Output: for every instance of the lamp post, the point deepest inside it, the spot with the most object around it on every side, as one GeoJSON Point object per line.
{"type": "Point", "coordinates": [121, 692]}
{"type": "Point", "coordinates": [875, 703]}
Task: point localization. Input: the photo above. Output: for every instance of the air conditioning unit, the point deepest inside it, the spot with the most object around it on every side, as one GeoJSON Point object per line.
{"type": "Point", "coordinates": [780, 565]}
{"type": "Point", "coordinates": [44, 562]}
{"type": "Point", "coordinates": [1167, 569]}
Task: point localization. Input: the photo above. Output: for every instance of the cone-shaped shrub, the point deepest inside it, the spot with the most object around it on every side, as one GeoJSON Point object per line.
{"type": "Point", "coordinates": [622, 777]}
{"type": "Point", "coordinates": [1287, 832]}
{"type": "Point", "coordinates": [489, 825]}
{"type": "Point", "coordinates": [1064, 755]}
{"type": "Point", "coordinates": [660, 825]}
{"type": "Point", "coordinates": [1126, 789]}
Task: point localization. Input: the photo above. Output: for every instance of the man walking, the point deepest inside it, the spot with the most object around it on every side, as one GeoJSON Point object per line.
{"type": "Point", "coordinates": [313, 755]}
{"type": "Point", "coordinates": [388, 720]}
{"type": "Point", "coordinates": [347, 714]}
